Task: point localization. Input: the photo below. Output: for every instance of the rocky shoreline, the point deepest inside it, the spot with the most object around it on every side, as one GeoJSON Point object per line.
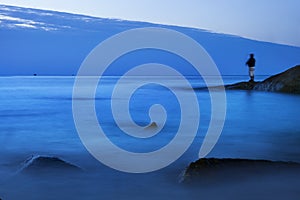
{"type": "Point", "coordinates": [286, 82]}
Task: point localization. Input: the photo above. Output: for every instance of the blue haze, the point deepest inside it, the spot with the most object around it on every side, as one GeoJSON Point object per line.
{"type": "Point", "coordinates": [36, 119]}
{"type": "Point", "coordinates": [36, 112]}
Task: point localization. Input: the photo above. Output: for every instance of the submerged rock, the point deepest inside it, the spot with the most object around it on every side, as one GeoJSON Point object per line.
{"type": "Point", "coordinates": [47, 164]}
{"type": "Point", "coordinates": [288, 81]}
{"type": "Point", "coordinates": [151, 126]}
{"type": "Point", "coordinates": [212, 170]}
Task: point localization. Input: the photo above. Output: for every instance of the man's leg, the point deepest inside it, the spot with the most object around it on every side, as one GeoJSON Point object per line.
{"type": "Point", "coordinates": [251, 73]}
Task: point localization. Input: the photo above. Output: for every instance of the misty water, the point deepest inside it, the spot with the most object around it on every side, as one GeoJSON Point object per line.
{"type": "Point", "coordinates": [36, 119]}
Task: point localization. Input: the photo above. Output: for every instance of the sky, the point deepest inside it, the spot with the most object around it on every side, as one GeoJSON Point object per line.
{"type": "Point", "coordinates": [275, 21]}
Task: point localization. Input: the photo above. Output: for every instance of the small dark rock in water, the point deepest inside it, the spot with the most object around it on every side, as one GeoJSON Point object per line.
{"type": "Point", "coordinates": [151, 126]}
{"type": "Point", "coordinates": [210, 170]}
{"type": "Point", "coordinates": [46, 164]}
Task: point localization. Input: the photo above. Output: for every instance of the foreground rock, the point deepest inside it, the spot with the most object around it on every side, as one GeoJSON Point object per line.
{"type": "Point", "coordinates": [47, 165]}
{"type": "Point", "coordinates": [288, 82]}
{"type": "Point", "coordinates": [213, 170]}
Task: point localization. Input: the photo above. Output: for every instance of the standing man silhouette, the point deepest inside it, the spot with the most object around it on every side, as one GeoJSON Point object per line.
{"type": "Point", "coordinates": [251, 65]}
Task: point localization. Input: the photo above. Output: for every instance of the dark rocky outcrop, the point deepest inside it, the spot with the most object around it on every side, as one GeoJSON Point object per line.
{"type": "Point", "coordinates": [47, 165]}
{"type": "Point", "coordinates": [288, 82]}
{"type": "Point", "coordinates": [242, 86]}
{"type": "Point", "coordinates": [212, 170]}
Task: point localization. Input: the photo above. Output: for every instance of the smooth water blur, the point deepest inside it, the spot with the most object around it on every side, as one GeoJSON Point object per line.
{"type": "Point", "coordinates": [36, 119]}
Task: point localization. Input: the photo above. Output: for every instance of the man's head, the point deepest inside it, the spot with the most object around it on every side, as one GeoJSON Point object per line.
{"type": "Point", "coordinates": [251, 55]}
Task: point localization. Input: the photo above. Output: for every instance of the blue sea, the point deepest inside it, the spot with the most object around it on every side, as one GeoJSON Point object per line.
{"type": "Point", "coordinates": [36, 119]}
